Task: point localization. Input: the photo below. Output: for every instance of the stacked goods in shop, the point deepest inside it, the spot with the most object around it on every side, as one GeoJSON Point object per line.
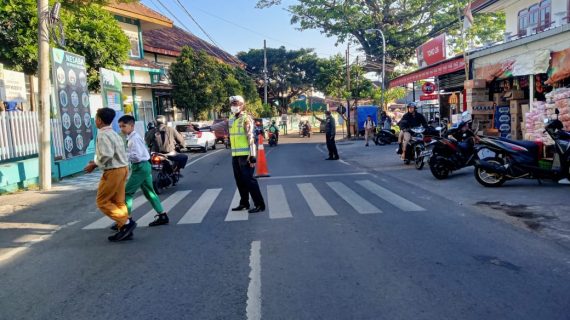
{"type": "Point", "coordinates": [534, 124]}
{"type": "Point", "coordinates": [560, 99]}
{"type": "Point", "coordinates": [503, 121]}
{"type": "Point", "coordinates": [477, 95]}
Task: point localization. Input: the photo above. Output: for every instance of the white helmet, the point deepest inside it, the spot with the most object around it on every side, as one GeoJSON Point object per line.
{"type": "Point", "coordinates": [236, 99]}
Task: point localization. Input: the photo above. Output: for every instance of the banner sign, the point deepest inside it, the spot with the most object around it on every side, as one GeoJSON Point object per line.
{"type": "Point", "coordinates": [13, 86]}
{"type": "Point", "coordinates": [72, 96]}
{"type": "Point", "coordinates": [446, 67]}
{"type": "Point", "coordinates": [432, 52]}
{"type": "Point", "coordinates": [111, 89]}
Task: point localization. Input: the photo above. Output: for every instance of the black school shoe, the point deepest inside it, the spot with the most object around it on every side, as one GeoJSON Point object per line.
{"type": "Point", "coordinates": [115, 227]}
{"type": "Point", "coordinates": [159, 220]}
{"type": "Point", "coordinates": [125, 232]}
{"type": "Point", "coordinates": [257, 209]}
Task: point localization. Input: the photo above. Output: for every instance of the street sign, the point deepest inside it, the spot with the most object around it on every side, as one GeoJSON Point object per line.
{"type": "Point", "coordinates": [453, 99]}
{"type": "Point", "coordinates": [428, 87]}
{"type": "Point", "coordinates": [432, 51]}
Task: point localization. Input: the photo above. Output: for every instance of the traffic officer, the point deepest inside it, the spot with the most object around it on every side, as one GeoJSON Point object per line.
{"type": "Point", "coordinates": [244, 154]}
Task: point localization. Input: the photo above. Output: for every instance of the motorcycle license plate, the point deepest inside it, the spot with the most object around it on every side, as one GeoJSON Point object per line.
{"type": "Point", "coordinates": [486, 153]}
{"type": "Point", "coordinates": [426, 153]}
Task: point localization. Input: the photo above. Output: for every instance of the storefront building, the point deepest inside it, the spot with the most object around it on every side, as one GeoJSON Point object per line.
{"type": "Point", "coordinates": [138, 85]}
{"type": "Point", "coordinates": [521, 73]}
{"type": "Point", "coordinates": [163, 46]}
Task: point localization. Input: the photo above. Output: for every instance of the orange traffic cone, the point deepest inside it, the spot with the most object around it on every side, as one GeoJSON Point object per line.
{"type": "Point", "coordinates": [261, 169]}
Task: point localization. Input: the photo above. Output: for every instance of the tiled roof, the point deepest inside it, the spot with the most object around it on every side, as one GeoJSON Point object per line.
{"type": "Point", "coordinates": [143, 63]}
{"type": "Point", "coordinates": [170, 42]}
{"type": "Point", "coordinates": [138, 10]}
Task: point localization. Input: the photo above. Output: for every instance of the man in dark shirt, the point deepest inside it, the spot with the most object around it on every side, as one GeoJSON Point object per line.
{"type": "Point", "coordinates": [410, 120]}
{"type": "Point", "coordinates": [330, 132]}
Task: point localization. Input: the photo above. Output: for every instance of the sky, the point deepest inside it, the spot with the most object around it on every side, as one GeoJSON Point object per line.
{"type": "Point", "coordinates": [236, 25]}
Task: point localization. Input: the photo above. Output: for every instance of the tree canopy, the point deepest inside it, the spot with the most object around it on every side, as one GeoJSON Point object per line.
{"type": "Point", "coordinates": [406, 23]}
{"type": "Point", "coordinates": [89, 29]}
{"type": "Point", "coordinates": [202, 84]}
{"type": "Point", "coordinates": [290, 72]}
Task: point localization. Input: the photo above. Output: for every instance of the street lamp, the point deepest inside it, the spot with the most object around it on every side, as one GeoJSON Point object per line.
{"type": "Point", "coordinates": [369, 31]}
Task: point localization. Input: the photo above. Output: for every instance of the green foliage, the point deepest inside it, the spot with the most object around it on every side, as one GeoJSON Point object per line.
{"type": "Point", "coordinates": [202, 83]}
{"type": "Point", "coordinates": [390, 96]}
{"type": "Point", "coordinates": [89, 29]}
{"type": "Point", "coordinates": [290, 72]}
{"type": "Point", "coordinates": [331, 79]}
{"type": "Point", "coordinates": [406, 23]}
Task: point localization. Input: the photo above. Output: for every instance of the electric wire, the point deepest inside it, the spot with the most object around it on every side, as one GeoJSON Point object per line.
{"type": "Point", "coordinates": [196, 22]}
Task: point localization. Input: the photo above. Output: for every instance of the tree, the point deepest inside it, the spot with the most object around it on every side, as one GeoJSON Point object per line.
{"type": "Point", "coordinates": [390, 96]}
{"type": "Point", "coordinates": [331, 80]}
{"type": "Point", "coordinates": [89, 29]}
{"type": "Point", "coordinates": [406, 23]}
{"type": "Point", "coordinates": [202, 84]}
{"type": "Point", "coordinates": [290, 72]}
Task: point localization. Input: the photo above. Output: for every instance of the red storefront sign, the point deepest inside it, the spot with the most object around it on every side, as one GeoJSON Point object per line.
{"type": "Point", "coordinates": [430, 72]}
{"type": "Point", "coordinates": [426, 97]}
{"type": "Point", "coordinates": [432, 52]}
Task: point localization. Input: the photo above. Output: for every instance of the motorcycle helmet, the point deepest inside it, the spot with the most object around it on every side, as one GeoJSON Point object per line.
{"type": "Point", "coordinates": [160, 120]}
{"type": "Point", "coordinates": [411, 105]}
{"type": "Point", "coordinates": [150, 126]}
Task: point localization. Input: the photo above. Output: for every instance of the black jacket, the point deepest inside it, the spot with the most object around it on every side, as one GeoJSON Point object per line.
{"type": "Point", "coordinates": [412, 120]}
{"type": "Point", "coordinates": [330, 126]}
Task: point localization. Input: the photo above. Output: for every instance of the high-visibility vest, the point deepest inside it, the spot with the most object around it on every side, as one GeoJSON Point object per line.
{"type": "Point", "coordinates": [238, 137]}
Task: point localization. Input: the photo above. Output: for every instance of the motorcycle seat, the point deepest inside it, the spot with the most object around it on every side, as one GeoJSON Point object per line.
{"type": "Point", "coordinates": [564, 135]}
{"type": "Point", "coordinates": [534, 148]}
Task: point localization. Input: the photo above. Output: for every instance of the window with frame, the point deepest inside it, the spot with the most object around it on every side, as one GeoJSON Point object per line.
{"type": "Point", "coordinates": [533, 15]}
{"type": "Point", "coordinates": [523, 21]}
{"type": "Point", "coordinates": [545, 14]}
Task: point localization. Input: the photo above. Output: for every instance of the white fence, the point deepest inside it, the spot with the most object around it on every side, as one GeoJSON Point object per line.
{"type": "Point", "coordinates": [19, 135]}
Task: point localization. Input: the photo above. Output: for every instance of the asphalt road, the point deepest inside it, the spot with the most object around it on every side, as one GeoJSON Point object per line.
{"type": "Point", "coordinates": [338, 241]}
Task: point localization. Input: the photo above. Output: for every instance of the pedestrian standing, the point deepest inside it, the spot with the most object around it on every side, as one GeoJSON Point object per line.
{"type": "Point", "coordinates": [244, 154]}
{"type": "Point", "coordinates": [141, 171]}
{"type": "Point", "coordinates": [110, 156]}
{"type": "Point", "coordinates": [330, 132]}
{"type": "Point", "coordinates": [369, 127]}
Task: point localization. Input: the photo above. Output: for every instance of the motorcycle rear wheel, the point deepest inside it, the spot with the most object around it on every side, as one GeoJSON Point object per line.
{"type": "Point", "coordinates": [439, 170]}
{"type": "Point", "coordinates": [487, 179]}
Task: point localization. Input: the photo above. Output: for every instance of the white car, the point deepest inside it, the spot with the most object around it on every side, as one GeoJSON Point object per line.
{"type": "Point", "coordinates": [196, 139]}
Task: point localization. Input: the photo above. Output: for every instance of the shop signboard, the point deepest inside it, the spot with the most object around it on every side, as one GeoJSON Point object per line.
{"type": "Point", "coordinates": [111, 89]}
{"type": "Point", "coordinates": [428, 97]}
{"type": "Point", "coordinates": [453, 99]}
{"type": "Point", "coordinates": [12, 86]}
{"type": "Point", "coordinates": [72, 98]}
{"type": "Point", "coordinates": [432, 52]}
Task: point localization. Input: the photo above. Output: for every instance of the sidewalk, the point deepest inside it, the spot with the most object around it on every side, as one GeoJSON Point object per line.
{"type": "Point", "coordinates": [542, 209]}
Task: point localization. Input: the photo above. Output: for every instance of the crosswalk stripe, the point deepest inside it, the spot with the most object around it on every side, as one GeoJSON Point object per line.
{"type": "Point", "coordinates": [389, 196]}
{"type": "Point", "coordinates": [167, 204]}
{"type": "Point", "coordinates": [106, 222]}
{"type": "Point", "coordinates": [201, 207]}
{"type": "Point", "coordinates": [352, 198]}
{"type": "Point", "coordinates": [319, 206]}
{"type": "Point", "coordinates": [278, 206]}
{"type": "Point", "coordinates": [236, 215]}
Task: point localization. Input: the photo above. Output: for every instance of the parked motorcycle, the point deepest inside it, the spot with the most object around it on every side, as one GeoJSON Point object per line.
{"type": "Point", "coordinates": [384, 136]}
{"type": "Point", "coordinates": [450, 154]}
{"type": "Point", "coordinates": [165, 172]}
{"type": "Point", "coordinates": [502, 159]}
{"type": "Point", "coordinates": [305, 131]}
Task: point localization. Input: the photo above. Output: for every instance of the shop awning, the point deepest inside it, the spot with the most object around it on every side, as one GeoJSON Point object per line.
{"type": "Point", "coordinates": [532, 62]}
{"type": "Point", "coordinates": [445, 67]}
{"type": "Point", "coordinates": [560, 68]}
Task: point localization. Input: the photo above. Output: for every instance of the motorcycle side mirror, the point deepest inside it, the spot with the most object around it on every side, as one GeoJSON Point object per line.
{"type": "Point", "coordinates": [557, 111]}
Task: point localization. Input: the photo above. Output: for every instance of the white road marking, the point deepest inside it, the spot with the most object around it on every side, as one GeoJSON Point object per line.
{"type": "Point", "coordinates": [201, 207]}
{"type": "Point", "coordinates": [319, 175]}
{"type": "Point", "coordinates": [319, 206]}
{"type": "Point", "coordinates": [106, 222]}
{"type": "Point", "coordinates": [253, 305]}
{"type": "Point", "coordinates": [357, 202]}
{"type": "Point", "coordinates": [236, 215]}
{"type": "Point", "coordinates": [278, 206]}
{"type": "Point", "coordinates": [389, 196]}
{"type": "Point", "coordinates": [167, 205]}
{"type": "Point", "coordinates": [207, 155]}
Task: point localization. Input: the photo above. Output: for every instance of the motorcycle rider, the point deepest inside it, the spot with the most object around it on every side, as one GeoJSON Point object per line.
{"type": "Point", "coordinates": [165, 140]}
{"type": "Point", "coordinates": [274, 130]}
{"type": "Point", "coordinates": [410, 120]}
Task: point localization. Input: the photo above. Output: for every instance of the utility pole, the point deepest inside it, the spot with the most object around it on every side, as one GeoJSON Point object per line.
{"type": "Point", "coordinates": [264, 72]}
{"type": "Point", "coordinates": [44, 150]}
{"type": "Point", "coordinates": [348, 88]}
